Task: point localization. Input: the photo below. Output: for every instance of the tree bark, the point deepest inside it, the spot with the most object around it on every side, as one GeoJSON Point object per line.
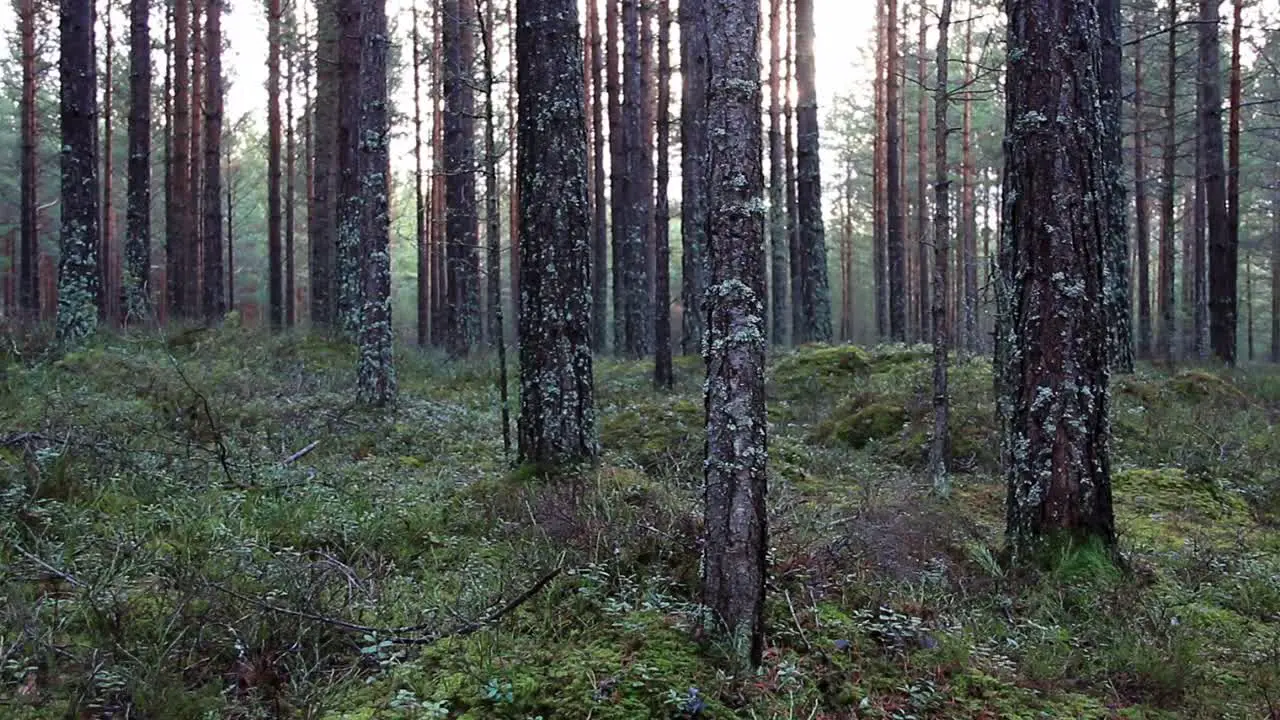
{"type": "Point", "coordinates": [599, 209]}
{"type": "Point", "coordinates": [879, 251]}
{"type": "Point", "coordinates": [922, 294]}
{"type": "Point", "coordinates": [1223, 263]}
{"type": "Point", "coordinates": [814, 316]}
{"type": "Point", "coordinates": [693, 164]}
{"type": "Point", "coordinates": [78, 277]}
{"type": "Point", "coordinates": [1168, 151]}
{"type": "Point", "coordinates": [177, 195]}
{"type": "Point", "coordinates": [192, 296]}
{"type": "Point", "coordinates": [290, 301]}
{"type": "Point", "coordinates": [137, 303]}
{"type": "Point", "coordinates": [778, 290]}
{"type": "Point", "coordinates": [894, 241]}
{"type": "Point", "coordinates": [968, 212]}
{"type": "Point", "coordinates": [557, 418]}
{"type": "Point", "coordinates": [461, 228]}
{"type": "Point", "coordinates": [736, 525]}
{"type": "Point", "coordinates": [1142, 217]}
{"type": "Point", "coordinates": [633, 190]}
{"type": "Point", "coordinates": [663, 375]}
{"type": "Point", "coordinates": [1116, 257]}
{"type": "Point", "coordinates": [493, 227]}
{"type": "Point", "coordinates": [275, 288]}
{"type": "Point", "coordinates": [29, 240]}
{"type": "Point", "coordinates": [423, 299]}
{"type": "Point", "coordinates": [323, 223]}
{"type": "Point", "coordinates": [106, 252]}
{"type": "Point", "coordinates": [940, 448]}
{"type": "Point", "coordinates": [215, 301]}
{"type": "Point", "coordinates": [1052, 358]}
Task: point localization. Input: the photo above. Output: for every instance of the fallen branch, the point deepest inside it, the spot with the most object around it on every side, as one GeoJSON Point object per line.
{"type": "Point", "coordinates": [300, 454]}
{"type": "Point", "coordinates": [60, 574]}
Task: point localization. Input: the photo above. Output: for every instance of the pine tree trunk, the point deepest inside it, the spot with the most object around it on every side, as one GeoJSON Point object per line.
{"type": "Point", "coordinates": [633, 192]}
{"type": "Point", "coordinates": [308, 132]}
{"type": "Point", "coordinates": [1052, 357]}
{"type": "Point", "coordinates": [879, 251]}
{"type": "Point", "coordinates": [493, 227]}
{"type": "Point", "coordinates": [922, 294]}
{"type": "Point", "coordinates": [1116, 258]}
{"type": "Point", "coordinates": [290, 301]}
{"type": "Point", "coordinates": [375, 372]}
{"type": "Point", "coordinates": [795, 259]}
{"type": "Point", "coordinates": [644, 189]}
{"type": "Point", "coordinates": [78, 276]}
{"type": "Point", "coordinates": [29, 242]}
{"type": "Point", "coordinates": [1142, 217]}
{"type": "Point", "coordinates": [322, 225]}
{"type": "Point", "coordinates": [231, 245]}
{"type": "Point", "coordinates": [195, 240]}
{"type": "Point", "coordinates": [215, 302]}
{"type": "Point", "coordinates": [599, 208]}
{"type": "Point", "coordinates": [106, 296]}
{"type": "Point", "coordinates": [557, 419]}
{"type": "Point", "coordinates": [461, 229]}
{"type": "Point", "coordinates": [1275, 271]}
{"type": "Point", "coordinates": [1224, 259]}
{"type": "Point", "coordinates": [137, 284]}
{"type": "Point", "coordinates": [1168, 151]}
{"type": "Point", "coordinates": [940, 447]}
{"type": "Point", "coordinates": [695, 270]}
{"type": "Point", "coordinates": [778, 290]}
{"type": "Point", "coordinates": [275, 288]}
{"type": "Point", "coordinates": [734, 556]}
{"type": "Point", "coordinates": [177, 195]}
{"type": "Point", "coordinates": [161, 296]}
{"type": "Point", "coordinates": [439, 274]}
{"type": "Point", "coordinates": [815, 295]}
{"type": "Point", "coordinates": [893, 180]}
{"type": "Point", "coordinates": [663, 375]}
{"type": "Point", "coordinates": [423, 298]}
{"type": "Point", "coordinates": [969, 212]}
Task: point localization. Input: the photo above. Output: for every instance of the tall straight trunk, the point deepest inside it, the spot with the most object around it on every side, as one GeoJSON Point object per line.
{"type": "Point", "coordinates": [513, 190]}
{"type": "Point", "coordinates": [644, 189]}
{"type": "Point", "coordinates": [633, 191]}
{"type": "Point", "coordinates": [1222, 263]}
{"type": "Point", "coordinates": [813, 321]}
{"type": "Point", "coordinates": [231, 245]}
{"type": "Point", "coordinates": [557, 420]}
{"type": "Point", "coordinates": [968, 210]}
{"type": "Point", "coordinates": [1168, 150]}
{"type": "Point", "coordinates": [461, 230]}
{"type": "Point", "coordinates": [195, 239]}
{"type": "Point", "coordinates": [323, 222]}
{"type": "Point", "coordinates": [1193, 264]}
{"type": "Point", "coordinates": [1222, 253]}
{"type": "Point", "coordinates": [423, 300]}
{"type": "Point", "coordinates": [795, 259]}
{"type": "Point", "coordinates": [599, 208]}
{"type": "Point", "coordinates": [879, 252]}
{"type": "Point", "coordinates": [778, 288]}
{"type": "Point", "coordinates": [846, 255]}
{"type": "Point", "coordinates": [348, 280]}
{"type": "Point", "coordinates": [895, 246]}
{"type": "Point", "coordinates": [1116, 258]}
{"type": "Point", "coordinates": [275, 288]}
{"type": "Point", "coordinates": [162, 292]}
{"type": "Point", "coordinates": [693, 168]}
{"type": "Point", "coordinates": [106, 296]}
{"type": "Point", "coordinates": [215, 301]}
{"type": "Point", "coordinates": [1052, 357]}
{"type": "Point", "coordinates": [1142, 218]}
{"type": "Point", "coordinates": [734, 557]}
{"type": "Point", "coordinates": [1275, 268]}
{"type": "Point", "coordinates": [439, 271]}
{"type": "Point", "coordinates": [78, 276]}
{"type": "Point", "coordinates": [940, 448]}
{"type": "Point", "coordinates": [29, 241]}
{"type": "Point", "coordinates": [1248, 303]}
{"type": "Point", "coordinates": [663, 375]}
{"type": "Point", "coordinates": [178, 193]}
{"type": "Point", "coordinates": [375, 369]}
{"type": "Point", "coordinates": [137, 284]}
{"type": "Point", "coordinates": [308, 131]}
{"type": "Point", "coordinates": [922, 172]}
{"type": "Point", "coordinates": [290, 151]}
{"type": "Point", "coordinates": [492, 227]}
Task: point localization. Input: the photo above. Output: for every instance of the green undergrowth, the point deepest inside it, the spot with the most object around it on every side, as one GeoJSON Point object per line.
{"type": "Point", "coordinates": [168, 549]}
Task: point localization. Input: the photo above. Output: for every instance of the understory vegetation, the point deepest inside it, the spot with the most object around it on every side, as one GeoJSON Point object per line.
{"type": "Point", "coordinates": [205, 525]}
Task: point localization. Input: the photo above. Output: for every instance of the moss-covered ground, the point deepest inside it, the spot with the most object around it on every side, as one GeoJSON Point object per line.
{"type": "Point", "coordinates": [161, 556]}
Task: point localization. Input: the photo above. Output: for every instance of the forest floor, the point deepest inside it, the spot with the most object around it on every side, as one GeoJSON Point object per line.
{"type": "Point", "coordinates": [167, 551]}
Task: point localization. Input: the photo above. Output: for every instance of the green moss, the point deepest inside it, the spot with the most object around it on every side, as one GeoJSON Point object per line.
{"type": "Point", "coordinates": [859, 420]}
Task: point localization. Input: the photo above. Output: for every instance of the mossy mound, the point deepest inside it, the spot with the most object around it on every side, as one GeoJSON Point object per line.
{"type": "Point", "coordinates": [662, 434]}
{"type": "Point", "coordinates": [861, 419]}
{"type": "Point", "coordinates": [1165, 507]}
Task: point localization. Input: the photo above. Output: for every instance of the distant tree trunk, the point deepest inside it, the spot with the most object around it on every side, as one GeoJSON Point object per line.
{"type": "Point", "coordinates": [192, 297]}
{"type": "Point", "coordinates": [778, 290]}
{"type": "Point", "coordinates": [968, 206]}
{"type": "Point", "coordinates": [461, 230]}
{"type": "Point", "coordinates": [922, 295]}
{"type": "Point", "coordinates": [894, 240]}
{"type": "Point", "coordinates": [513, 191]}
{"type": "Point", "coordinates": [493, 227]}
{"type": "Point", "coordinates": [1116, 258]}
{"type": "Point", "coordinates": [1275, 270]}
{"type": "Point", "coordinates": [644, 188]}
{"type": "Point", "coordinates": [693, 172]}
{"type": "Point", "coordinates": [215, 302]}
{"type": "Point", "coordinates": [231, 246]}
{"type": "Point", "coordinates": [795, 258]}
{"type": "Point", "coordinates": [814, 316]}
{"type": "Point", "coordinates": [1141, 215]}
{"type": "Point", "coordinates": [599, 209]}
{"type": "Point", "coordinates": [106, 300]}
{"type": "Point", "coordinates": [631, 256]}
{"type": "Point", "coordinates": [1168, 151]}
{"type": "Point", "coordinates": [879, 251]}
{"type": "Point", "coordinates": [557, 418]}
{"type": "Point", "coordinates": [663, 375]}
{"type": "Point", "coordinates": [940, 448]}
{"type": "Point", "coordinates": [308, 131]}
{"type": "Point", "coordinates": [1223, 253]}
{"type": "Point", "coordinates": [275, 289]}
{"type": "Point", "coordinates": [137, 305]}
{"type": "Point", "coordinates": [78, 277]}
{"type": "Point", "coordinates": [323, 223]}
{"type": "Point", "coordinates": [290, 302]}
{"type": "Point", "coordinates": [1248, 302]}
{"type": "Point", "coordinates": [1224, 259]}
{"type": "Point", "coordinates": [439, 271]}
{"type": "Point", "coordinates": [162, 292]}
{"type": "Point", "coordinates": [1052, 358]}
{"type": "Point", "coordinates": [846, 254]}
{"type": "Point", "coordinates": [375, 372]}
{"type": "Point", "coordinates": [423, 299]}
{"type": "Point", "coordinates": [734, 558]}
{"type": "Point", "coordinates": [178, 192]}
{"type": "Point", "coordinates": [29, 241]}
{"type": "Point", "coordinates": [348, 280]}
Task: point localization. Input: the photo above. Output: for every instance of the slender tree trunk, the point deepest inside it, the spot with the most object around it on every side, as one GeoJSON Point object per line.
{"type": "Point", "coordinates": [275, 289]}
{"type": "Point", "coordinates": [734, 558]}
{"type": "Point", "coordinates": [1275, 268]}
{"type": "Point", "coordinates": [968, 212]}
{"type": "Point", "coordinates": [439, 274]}
{"type": "Point", "coordinates": [215, 302]}
{"type": "Point", "coordinates": [513, 193]}
{"type": "Point", "coordinates": [177, 195]}
{"type": "Point", "coordinates": [814, 316]}
{"type": "Point", "coordinates": [922, 294]}
{"type": "Point", "coordinates": [423, 299]}
{"type": "Point", "coordinates": [1222, 256]}
{"type": "Point", "coordinates": [78, 276]}
{"type": "Point", "coordinates": [29, 241]}
{"type": "Point", "coordinates": [290, 301]}
{"type": "Point", "coordinates": [599, 208]}
{"type": "Point", "coordinates": [308, 131]}
{"type": "Point", "coordinates": [323, 223]}
{"type": "Point", "coordinates": [1118, 295]}
{"type": "Point", "coordinates": [161, 298]}
{"type": "Point", "coordinates": [195, 218]}
{"type": "Point", "coordinates": [777, 193]}
{"type": "Point", "coordinates": [348, 280]}
{"type": "Point", "coordinates": [493, 228]}
{"type": "Point", "coordinates": [1223, 261]}
{"type": "Point", "coordinates": [894, 240]}
{"type": "Point", "coordinates": [693, 170]}
{"type": "Point", "coordinates": [645, 149]}
{"type": "Point", "coordinates": [1052, 360]}
{"type": "Point", "coordinates": [663, 375]}
{"type": "Point", "coordinates": [1141, 215]}
{"type": "Point", "coordinates": [557, 420]}
{"type": "Point", "coordinates": [231, 245]}
{"type": "Point", "coordinates": [1248, 303]}
{"type": "Point", "coordinates": [107, 296]}
{"type": "Point", "coordinates": [375, 372]}
{"type": "Point", "coordinates": [940, 448]}
{"type": "Point", "coordinates": [879, 250]}
{"type": "Point", "coordinates": [137, 283]}
{"type": "Point", "coordinates": [462, 236]}
{"type": "Point", "coordinates": [631, 256]}
{"type": "Point", "coordinates": [1169, 152]}
{"type": "Point", "coordinates": [795, 258]}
